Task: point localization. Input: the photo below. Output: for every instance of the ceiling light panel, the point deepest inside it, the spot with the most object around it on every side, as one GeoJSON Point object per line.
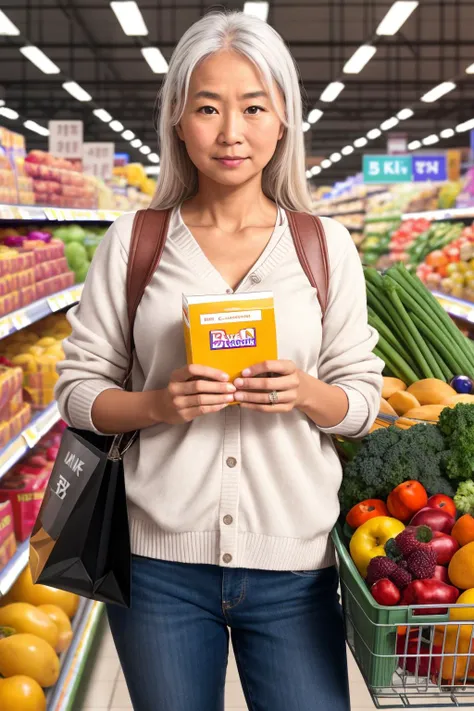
{"type": "Point", "coordinates": [360, 142]}
{"type": "Point", "coordinates": [438, 91]}
{"type": "Point", "coordinates": [155, 60]}
{"type": "Point", "coordinates": [326, 163]}
{"type": "Point", "coordinates": [116, 126]}
{"type": "Point", "coordinates": [405, 114]}
{"type": "Point", "coordinates": [389, 123]}
{"type": "Point", "coordinates": [396, 17]}
{"type": "Point", "coordinates": [332, 91]}
{"type": "Point", "coordinates": [154, 157]}
{"type": "Point", "coordinates": [37, 57]}
{"type": "Point", "coordinates": [146, 150]}
{"type": "Point", "coordinates": [128, 135]}
{"type": "Point", "coordinates": [314, 115]}
{"type": "Point", "coordinates": [335, 157]}
{"type": "Point", "coordinates": [257, 9]}
{"type": "Point", "coordinates": [470, 69]}
{"type": "Point", "coordinates": [414, 145]}
{"type": "Point", "coordinates": [347, 150]}
{"type": "Point", "coordinates": [466, 126]}
{"type": "Point", "coordinates": [36, 127]}
{"type": "Point", "coordinates": [77, 91]}
{"type": "Point", "coordinates": [359, 59]}
{"type": "Point", "coordinates": [136, 143]}
{"type": "Point", "coordinates": [9, 113]}
{"type": "Point", "coordinates": [430, 140]}
{"type": "Point", "coordinates": [306, 126]}
{"type": "Point", "coordinates": [130, 18]}
{"type": "Point", "coordinates": [447, 133]}
{"type": "Point", "coordinates": [374, 133]}
{"type": "Point", "coordinates": [7, 27]}
{"type": "Point", "coordinates": [103, 115]}
{"type": "Point", "coordinates": [316, 170]}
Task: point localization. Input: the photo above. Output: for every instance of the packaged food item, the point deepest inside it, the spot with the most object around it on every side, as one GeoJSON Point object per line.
{"type": "Point", "coordinates": [25, 493]}
{"type": "Point", "coordinates": [7, 534]}
{"type": "Point", "coordinates": [230, 332]}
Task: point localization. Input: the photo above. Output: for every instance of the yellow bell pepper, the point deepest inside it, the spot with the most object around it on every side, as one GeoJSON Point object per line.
{"type": "Point", "coordinates": [370, 538]}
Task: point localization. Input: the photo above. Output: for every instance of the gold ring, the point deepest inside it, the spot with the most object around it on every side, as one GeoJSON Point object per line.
{"type": "Point", "coordinates": [273, 397]}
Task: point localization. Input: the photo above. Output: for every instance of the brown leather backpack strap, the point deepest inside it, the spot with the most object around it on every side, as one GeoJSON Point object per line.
{"type": "Point", "coordinates": [311, 248]}
{"type": "Point", "coordinates": [150, 228]}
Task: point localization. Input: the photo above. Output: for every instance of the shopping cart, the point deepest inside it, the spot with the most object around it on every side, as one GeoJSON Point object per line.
{"type": "Point", "coordinates": [409, 659]}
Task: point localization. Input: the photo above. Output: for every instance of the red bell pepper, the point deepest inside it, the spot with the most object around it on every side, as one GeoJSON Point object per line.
{"type": "Point", "coordinates": [425, 592]}
{"type": "Point", "coordinates": [423, 664]}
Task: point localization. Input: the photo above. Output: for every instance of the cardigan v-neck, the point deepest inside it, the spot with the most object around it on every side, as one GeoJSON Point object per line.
{"type": "Point", "coordinates": [277, 246]}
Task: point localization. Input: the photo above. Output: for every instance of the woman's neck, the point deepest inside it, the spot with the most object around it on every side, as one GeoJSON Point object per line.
{"type": "Point", "coordinates": [229, 209]}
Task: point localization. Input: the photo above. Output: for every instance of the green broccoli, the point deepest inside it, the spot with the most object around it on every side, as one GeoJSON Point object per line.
{"type": "Point", "coordinates": [392, 455]}
{"type": "Point", "coordinates": [457, 426]}
{"type": "Point", "coordinates": [464, 497]}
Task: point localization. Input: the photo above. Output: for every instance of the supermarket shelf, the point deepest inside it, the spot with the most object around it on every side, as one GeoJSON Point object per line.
{"type": "Point", "coordinates": [14, 567]}
{"type": "Point", "coordinates": [352, 198]}
{"type": "Point", "coordinates": [39, 309]}
{"type": "Point", "coordinates": [341, 214]}
{"type": "Point", "coordinates": [458, 308]}
{"type": "Point", "coordinates": [37, 428]}
{"type": "Point", "coordinates": [457, 213]}
{"type": "Point", "coordinates": [354, 228]}
{"type": "Point", "coordinates": [35, 213]}
{"type": "Point", "coordinates": [393, 217]}
{"type": "Point", "coordinates": [61, 697]}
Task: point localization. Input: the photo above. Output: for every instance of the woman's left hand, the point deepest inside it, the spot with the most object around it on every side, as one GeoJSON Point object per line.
{"type": "Point", "coordinates": [286, 383]}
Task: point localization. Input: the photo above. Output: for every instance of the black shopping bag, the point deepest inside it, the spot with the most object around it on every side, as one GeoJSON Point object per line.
{"type": "Point", "coordinates": [81, 540]}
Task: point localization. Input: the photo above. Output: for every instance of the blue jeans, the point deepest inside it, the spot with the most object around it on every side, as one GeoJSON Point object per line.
{"type": "Point", "coordinates": [286, 628]}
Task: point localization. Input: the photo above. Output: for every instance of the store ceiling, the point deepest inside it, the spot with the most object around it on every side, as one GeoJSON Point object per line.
{"type": "Point", "coordinates": [85, 40]}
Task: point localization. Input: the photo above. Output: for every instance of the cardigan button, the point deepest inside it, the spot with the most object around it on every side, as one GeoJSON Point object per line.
{"type": "Point", "coordinates": [231, 462]}
{"type": "Point", "coordinates": [227, 557]}
{"type": "Point", "coordinates": [228, 520]}
{"type": "Point", "coordinates": [255, 279]}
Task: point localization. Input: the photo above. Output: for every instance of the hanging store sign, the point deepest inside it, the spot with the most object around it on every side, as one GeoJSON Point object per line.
{"type": "Point", "coordinates": [397, 143]}
{"type": "Point", "coordinates": [66, 139]}
{"type": "Point", "coordinates": [432, 168]}
{"type": "Point", "coordinates": [387, 169]}
{"type": "Point", "coordinates": [98, 159]}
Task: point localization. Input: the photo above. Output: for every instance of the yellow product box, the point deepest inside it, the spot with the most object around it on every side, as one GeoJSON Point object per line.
{"type": "Point", "coordinates": [230, 332]}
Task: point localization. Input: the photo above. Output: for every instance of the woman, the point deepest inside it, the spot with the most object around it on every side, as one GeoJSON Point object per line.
{"type": "Point", "coordinates": [230, 507]}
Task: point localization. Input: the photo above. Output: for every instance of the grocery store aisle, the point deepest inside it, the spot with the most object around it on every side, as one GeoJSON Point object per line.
{"type": "Point", "coordinates": [104, 686]}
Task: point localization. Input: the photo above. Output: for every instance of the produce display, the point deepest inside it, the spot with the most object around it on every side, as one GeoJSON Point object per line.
{"type": "Point", "coordinates": [35, 628]}
{"type": "Point", "coordinates": [80, 245]}
{"type": "Point", "coordinates": [15, 185]}
{"type": "Point", "coordinates": [58, 182]}
{"type": "Point", "coordinates": [450, 269]}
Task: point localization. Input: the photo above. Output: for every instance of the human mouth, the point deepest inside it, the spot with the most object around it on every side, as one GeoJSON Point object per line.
{"type": "Point", "coordinates": [231, 162]}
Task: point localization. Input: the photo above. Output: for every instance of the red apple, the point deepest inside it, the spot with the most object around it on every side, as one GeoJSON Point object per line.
{"type": "Point", "coordinates": [443, 502]}
{"type": "Point", "coordinates": [385, 592]}
{"type": "Point", "coordinates": [445, 547]}
{"type": "Point", "coordinates": [436, 519]}
{"type": "Point", "coordinates": [441, 573]}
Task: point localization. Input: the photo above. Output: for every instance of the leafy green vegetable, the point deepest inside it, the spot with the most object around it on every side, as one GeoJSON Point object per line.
{"type": "Point", "coordinates": [390, 456]}
{"type": "Point", "coordinates": [464, 497]}
{"type": "Point", "coordinates": [457, 426]}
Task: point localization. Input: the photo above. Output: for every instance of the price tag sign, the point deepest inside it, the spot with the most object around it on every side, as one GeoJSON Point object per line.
{"type": "Point", "coordinates": [31, 436]}
{"type": "Point", "coordinates": [5, 327]}
{"type": "Point", "coordinates": [66, 138]}
{"type": "Point", "coordinates": [76, 293]}
{"type": "Point", "coordinates": [431, 168]}
{"type": "Point", "coordinates": [387, 169]}
{"type": "Point", "coordinates": [20, 320]}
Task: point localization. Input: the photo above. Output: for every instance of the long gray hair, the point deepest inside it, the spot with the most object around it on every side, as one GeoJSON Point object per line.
{"type": "Point", "coordinates": [284, 179]}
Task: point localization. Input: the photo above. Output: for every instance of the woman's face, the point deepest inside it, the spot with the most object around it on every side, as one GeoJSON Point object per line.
{"type": "Point", "coordinates": [229, 115]}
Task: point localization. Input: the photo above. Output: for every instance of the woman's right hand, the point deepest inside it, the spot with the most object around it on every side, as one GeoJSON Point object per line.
{"type": "Point", "coordinates": [193, 391]}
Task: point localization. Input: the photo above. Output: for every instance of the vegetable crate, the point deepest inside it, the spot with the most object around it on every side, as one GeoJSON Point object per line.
{"type": "Point", "coordinates": [409, 659]}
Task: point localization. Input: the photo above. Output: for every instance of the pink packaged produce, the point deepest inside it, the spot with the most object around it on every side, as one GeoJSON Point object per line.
{"type": "Point", "coordinates": [25, 493]}
{"type": "Point", "coordinates": [7, 534]}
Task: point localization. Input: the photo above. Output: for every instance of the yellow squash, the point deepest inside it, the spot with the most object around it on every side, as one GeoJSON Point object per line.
{"type": "Point", "coordinates": [23, 617]}
{"type": "Point", "coordinates": [403, 401]}
{"type": "Point", "coordinates": [25, 591]}
{"type": "Point", "coordinates": [431, 391]}
{"type": "Point", "coordinates": [61, 620]}
{"type": "Point", "coordinates": [391, 386]}
{"type": "Point", "coordinates": [29, 655]}
{"type": "Point", "coordinates": [21, 693]}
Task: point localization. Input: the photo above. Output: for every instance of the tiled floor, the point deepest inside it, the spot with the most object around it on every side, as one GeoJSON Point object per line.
{"type": "Point", "coordinates": [104, 687]}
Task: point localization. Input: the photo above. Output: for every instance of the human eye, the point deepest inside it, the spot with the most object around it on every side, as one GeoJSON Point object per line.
{"type": "Point", "coordinates": [206, 110]}
{"type": "Point", "coordinates": [255, 110]}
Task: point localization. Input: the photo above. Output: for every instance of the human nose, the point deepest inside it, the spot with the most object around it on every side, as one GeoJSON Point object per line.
{"type": "Point", "coordinates": [231, 128]}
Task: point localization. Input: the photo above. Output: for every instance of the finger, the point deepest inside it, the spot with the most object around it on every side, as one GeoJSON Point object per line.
{"type": "Point", "coordinates": [193, 412]}
{"type": "Point", "coordinates": [198, 371]}
{"type": "Point", "coordinates": [263, 398]}
{"type": "Point", "coordinates": [283, 367]}
{"type": "Point", "coordinates": [193, 387]}
{"type": "Point", "coordinates": [285, 382]}
{"type": "Point", "coordinates": [201, 400]}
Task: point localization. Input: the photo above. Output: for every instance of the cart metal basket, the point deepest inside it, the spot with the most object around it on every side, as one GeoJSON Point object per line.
{"type": "Point", "coordinates": [408, 658]}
